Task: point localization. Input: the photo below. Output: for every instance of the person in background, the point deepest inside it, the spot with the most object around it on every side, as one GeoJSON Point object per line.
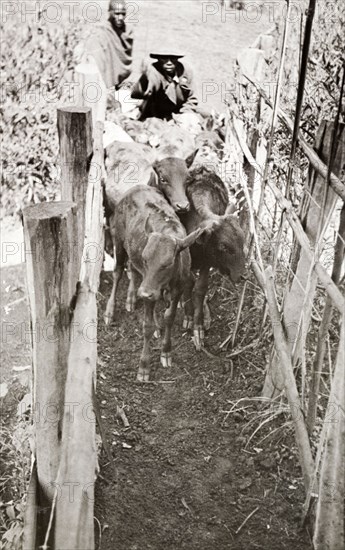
{"type": "Point", "coordinates": [165, 86]}
{"type": "Point", "coordinates": [109, 47]}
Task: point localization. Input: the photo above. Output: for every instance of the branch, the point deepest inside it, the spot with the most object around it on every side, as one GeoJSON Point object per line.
{"type": "Point", "coordinates": [330, 287]}
{"type": "Point", "coordinates": [336, 184]}
{"type": "Point", "coordinates": [285, 363]}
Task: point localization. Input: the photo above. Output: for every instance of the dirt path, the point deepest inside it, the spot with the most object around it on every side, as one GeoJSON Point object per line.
{"type": "Point", "coordinates": [184, 476]}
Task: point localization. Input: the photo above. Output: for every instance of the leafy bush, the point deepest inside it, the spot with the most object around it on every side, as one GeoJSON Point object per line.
{"type": "Point", "coordinates": [15, 458]}
{"type": "Point", "coordinates": [36, 67]}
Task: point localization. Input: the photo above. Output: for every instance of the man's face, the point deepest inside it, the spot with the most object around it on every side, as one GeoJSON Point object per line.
{"type": "Point", "coordinates": [117, 14]}
{"type": "Point", "coordinates": [168, 64]}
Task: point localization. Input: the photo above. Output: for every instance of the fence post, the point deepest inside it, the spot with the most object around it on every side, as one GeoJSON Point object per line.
{"type": "Point", "coordinates": [300, 296]}
{"type": "Point", "coordinates": [75, 140]}
{"type": "Point", "coordinates": [252, 62]}
{"type": "Point", "coordinates": [52, 275]}
{"type": "Point", "coordinates": [92, 91]}
{"type": "Point", "coordinates": [74, 525]}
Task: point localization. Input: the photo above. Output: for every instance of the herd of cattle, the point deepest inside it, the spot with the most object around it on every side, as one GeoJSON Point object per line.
{"type": "Point", "coordinates": [169, 221]}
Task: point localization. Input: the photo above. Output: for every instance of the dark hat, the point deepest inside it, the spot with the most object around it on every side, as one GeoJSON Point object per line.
{"type": "Point", "coordinates": [119, 5]}
{"type": "Point", "coordinates": [166, 52]}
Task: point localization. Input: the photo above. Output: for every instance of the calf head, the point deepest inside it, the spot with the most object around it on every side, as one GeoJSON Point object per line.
{"type": "Point", "coordinates": [172, 174]}
{"type": "Point", "coordinates": [160, 257]}
{"type": "Point", "coordinates": [225, 246]}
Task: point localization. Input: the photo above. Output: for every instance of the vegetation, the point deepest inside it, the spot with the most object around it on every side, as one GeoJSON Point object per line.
{"type": "Point", "coordinates": [35, 68]}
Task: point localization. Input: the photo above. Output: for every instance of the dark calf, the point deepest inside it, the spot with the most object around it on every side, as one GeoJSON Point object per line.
{"type": "Point", "coordinates": [222, 249]}
{"type": "Point", "coordinates": [172, 174]}
{"type": "Point", "coordinates": [131, 164]}
{"type": "Point", "coordinates": [147, 231]}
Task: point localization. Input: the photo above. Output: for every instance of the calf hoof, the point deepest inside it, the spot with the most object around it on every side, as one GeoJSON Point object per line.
{"type": "Point", "coordinates": [166, 360]}
{"type": "Point", "coordinates": [199, 336]}
{"type": "Point", "coordinates": [130, 306]}
{"type": "Point", "coordinates": [207, 324]}
{"type": "Point", "coordinates": [143, 375]}
{"type": "Point", "coordinates": [108, 319]}
{"type": "Point", "coordinates": [187, 322]}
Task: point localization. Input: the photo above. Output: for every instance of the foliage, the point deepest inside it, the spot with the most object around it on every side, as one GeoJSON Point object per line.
{"type": "Point", "coordinates": [15, 459]}
{"type": "Point", "coordinates": [35, 68]}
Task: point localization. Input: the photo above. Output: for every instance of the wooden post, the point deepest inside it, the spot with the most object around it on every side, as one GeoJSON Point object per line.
{"type": "Point", "coordinates": [329, 523]}
{"type": "Point", "coordinates": [282, 348]}
{"type": "Point", "coordinates": [52, 275]}
{"type": "Point", "coordinates": [300, 296]}
{"type": "Point", "coordinates": [75, 139]}
{"type": "Point", "coordinates": [74, 527]}
{"type": "Point", "coordinates": [251, 61]}
{"type": "Point", "coordinates": [91, 90]}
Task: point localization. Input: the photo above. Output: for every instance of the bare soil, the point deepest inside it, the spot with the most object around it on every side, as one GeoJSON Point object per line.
{"type": "Point", "coordinates": [185, 474]}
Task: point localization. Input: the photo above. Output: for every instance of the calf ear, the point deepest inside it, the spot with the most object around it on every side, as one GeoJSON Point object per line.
{"type": "Point", "coordinates": [190, 239]}
{"type": "Point", "coordinates": [153, 179]}
{"type": "Point", "coordinates": [208, 227]}
{"type": "Point", "coordinates": [147, 229]}
{"type": "Point", "coordinates": [155, 167]}
{"type": "Point", "coordinates": [190, 158]}
{"type": "Point", "coordinates": [231, 209]}
{"type": "Point", "coordinates": [199, 234]}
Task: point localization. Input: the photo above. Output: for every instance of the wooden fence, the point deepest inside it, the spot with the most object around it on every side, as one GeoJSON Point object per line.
{"type": "Point", "coordinates": [64, 255]}
{"type": "Point", "coordinates": [303, 231]}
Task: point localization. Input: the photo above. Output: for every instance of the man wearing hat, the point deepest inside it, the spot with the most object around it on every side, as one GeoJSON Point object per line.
{"type": "Point", "coordinates": [165, 86]}
{"type": "Point", "coordinates": [109, 46]}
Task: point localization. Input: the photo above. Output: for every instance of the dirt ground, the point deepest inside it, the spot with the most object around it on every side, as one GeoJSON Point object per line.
{"type": "Point", "coordinates": [185, 473]}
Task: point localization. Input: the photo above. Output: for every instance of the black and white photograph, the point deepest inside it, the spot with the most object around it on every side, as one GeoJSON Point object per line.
{"type": "Point", "coordinates": [172, 241]}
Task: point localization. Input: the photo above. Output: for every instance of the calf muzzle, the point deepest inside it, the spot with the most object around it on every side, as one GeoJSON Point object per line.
{"type": "Point", "coordinates": [146, 294]}
{"type": "Point", "coordinates": [181, 208]}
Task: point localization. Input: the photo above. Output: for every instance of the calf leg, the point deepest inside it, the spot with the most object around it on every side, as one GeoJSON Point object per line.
{"type": "Point", "coordinates": [169, 317]}
{"type": "Point", "coordinates": [158, 330]}
{"type": "Point", "coordinates": [207, 315]}
{"type": "Point", "coordinates": [188, 303]}
{"type": "Point", "coordinates": [120, 256]}
{"type": "Point", "coordinates": [200, 291]}
{"type": "Point", "coordinates": [148, 330]}
{"type": "Point", "coordinates": [132, 289]}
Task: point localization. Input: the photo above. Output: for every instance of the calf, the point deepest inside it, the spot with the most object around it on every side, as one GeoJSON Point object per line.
{"type": "Point", "coordinates": [130, 164]}
{"type": "Point", "coordinates": [175, 142]}
{"type": "Point", "coordinates": [147, 231]}
{"type": "Point", "coordinates": [189, 121]}
{"type": "Point", "coordinates": [222, 249]}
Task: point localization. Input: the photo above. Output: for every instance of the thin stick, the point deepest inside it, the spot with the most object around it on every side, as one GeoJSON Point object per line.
{"type": "Point", "coordinates": [52, 512]}
{"type": "Point", "coordinates": [239, 310]}
{"type": "Point", "coordinates": [247, 518]}
{"type": "Point", "coordinates": [314, 159]}
{"type": "Point", "coordinates": [300, 91]}
{"type": "Point", "coordinates": [275, 110]}
{"type": "Point", "coordinates": [241, 350]}
{"type": "Point", "coordinates": [282, 348]}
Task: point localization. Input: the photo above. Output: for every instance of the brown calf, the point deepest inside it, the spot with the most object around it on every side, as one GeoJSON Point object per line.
{"type": "Point", "coordinates": [147, 231]}
{"type": "Point", "coordinates": [222, 249]}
